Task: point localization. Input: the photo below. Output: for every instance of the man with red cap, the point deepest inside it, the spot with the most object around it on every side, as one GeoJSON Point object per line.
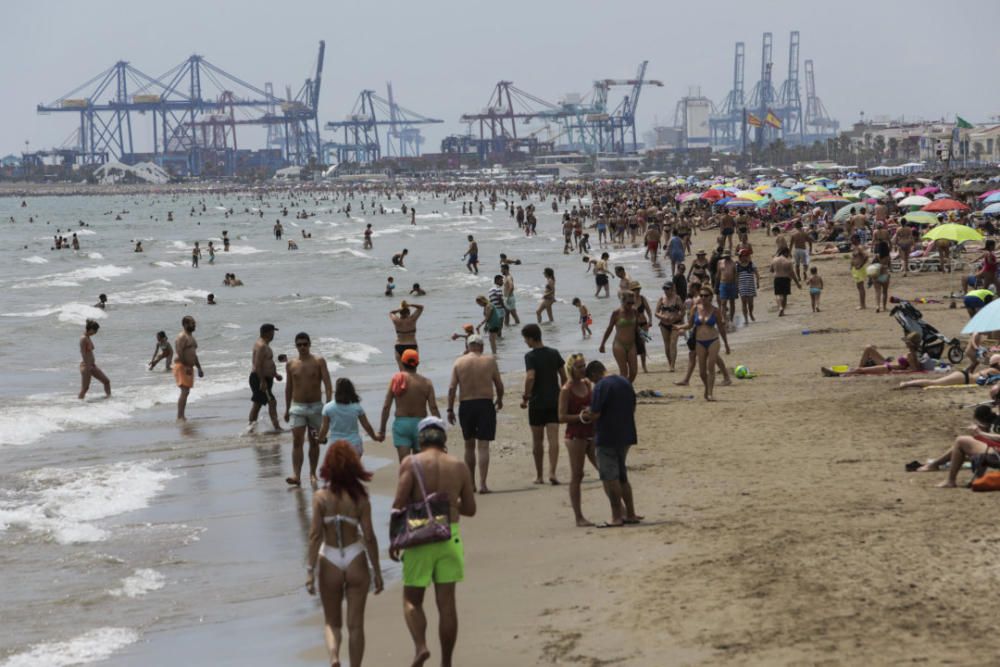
{"type": "Point", "coordinates": [414, 397]}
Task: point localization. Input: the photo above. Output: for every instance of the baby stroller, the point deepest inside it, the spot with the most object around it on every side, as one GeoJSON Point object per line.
{"type": "Point", "coordinates": [932, 342]}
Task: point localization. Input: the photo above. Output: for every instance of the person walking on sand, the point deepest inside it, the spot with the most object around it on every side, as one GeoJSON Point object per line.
{"type": "Point", "coordinates": [263, 373]}
{"type": "Point", "coordinates": [414, 397]}
{"type": "Point", "coordinates": [859, 259]}
{"type": "Point", "coordinates": [707, 324]}
{"type": "Point", "coordinates": [343, 415]}
{"type": "Point", "coordinates": [186, 361]}
{"type": "Point", "coordinates": [624, 322]}
{"type": "Point", "coordinates": [612, 410]}
{"type": "Point", "coordinates": [341, 531]}
{"type": "Point", "coordinates": [163, 351]}
{"type": "Point", "coordinates": [801, 244]}
{"type": "Point", "coordinates": [545, 373]}
{"type": "Point", "coordinates": [784, 274]}
{"type": "Point", "coordinates": [307, 377]}
{"type": "Point", "coordinates": [433, 471]}
{"type": "Point", "coordinates": [88, 367]}
{"type": "Point", "coordinates": [475, 377]}
{"type": "Point", "coordinates": [574, 396]}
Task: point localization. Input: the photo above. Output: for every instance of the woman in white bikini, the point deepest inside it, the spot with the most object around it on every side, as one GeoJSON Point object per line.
{"type": "Point", "coordinates": [341, 533]}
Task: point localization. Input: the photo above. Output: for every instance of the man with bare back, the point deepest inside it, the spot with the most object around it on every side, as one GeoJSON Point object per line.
{"type": "Point", "coordinates": [307, 378]}
{"type": "Point", "coordinates": [441, 563]}
{"type": "Point", "coordinates": [414, 397]}
{"type": "Point", "coordinates": [475, 376]}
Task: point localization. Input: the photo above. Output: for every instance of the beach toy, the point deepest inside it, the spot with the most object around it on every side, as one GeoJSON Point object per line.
{"type": "Point", "coordinates": [742, 372]}
{"type": "Point", "coordinates": [840, 369]}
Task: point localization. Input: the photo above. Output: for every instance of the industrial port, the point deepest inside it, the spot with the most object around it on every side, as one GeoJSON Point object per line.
{"type": "Point", "coordinates": [192, 122]}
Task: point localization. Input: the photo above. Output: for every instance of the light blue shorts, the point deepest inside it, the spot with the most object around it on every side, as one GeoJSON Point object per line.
{"type": "Point", "coordinates": [306, 414]}
{"type": "Point", "coordinates": [404, 432]}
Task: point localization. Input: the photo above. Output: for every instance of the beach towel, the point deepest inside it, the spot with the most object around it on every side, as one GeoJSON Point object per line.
{"type": "Point", "coordinates": [398, 384]}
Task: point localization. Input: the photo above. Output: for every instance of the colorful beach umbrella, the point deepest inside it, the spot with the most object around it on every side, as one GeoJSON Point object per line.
{"type": "Point", "coordinates": [992, 199]}
{"type": "Point", "coordinates": [740, 203]}
{"type": "Point", "coordinates": [845, 212]}
{"type": "Point", "coordinates": [992, 209]}
{"type": "Point", "coordinates": [987, 319]}
{"type": "Point", "coordinates": [914, 200]}
{"type": "Point", "coordinates": [945, 205]}
{"type": "Point", "coordinates": [953, 232]}
{"type": "Point", "coordinates": [921, 218]}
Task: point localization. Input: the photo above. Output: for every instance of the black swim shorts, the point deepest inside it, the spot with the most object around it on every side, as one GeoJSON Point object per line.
{"type": "Point", "coordinates": [400, 349]}
{"type": "Point", "coordinates": [478, 419]}
{"type": "Point", "coordinates": [601, 279]}
{"type": "Point", "coordinates": [542, 416]}
{"type": "Point", "coordinates": [258, 396]}
{"type": "Point", "coordinates": [782, 286]}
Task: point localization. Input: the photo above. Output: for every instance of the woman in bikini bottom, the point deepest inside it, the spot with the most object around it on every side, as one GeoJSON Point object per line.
{"type": "Point", "coordinates": [340, 535]}
{"type": "Point", "coordinates": [708, 325]}
{"type": "Point", "coordinates": [624, 322]}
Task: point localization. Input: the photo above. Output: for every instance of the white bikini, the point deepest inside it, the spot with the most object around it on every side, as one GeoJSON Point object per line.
{"type": "Point", "coordinates": [340, 556]}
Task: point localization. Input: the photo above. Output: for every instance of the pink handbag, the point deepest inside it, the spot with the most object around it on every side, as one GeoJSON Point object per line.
{"type": "Point", "coordinates": [423, 522]}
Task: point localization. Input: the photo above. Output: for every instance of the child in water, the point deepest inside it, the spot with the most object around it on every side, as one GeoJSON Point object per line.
{"type": "Point", "coordinates": [815, 284]}
{"type": "Point", "coordinates": [585, 320]}
{"type": "Point", "coordinates": [389, 286]}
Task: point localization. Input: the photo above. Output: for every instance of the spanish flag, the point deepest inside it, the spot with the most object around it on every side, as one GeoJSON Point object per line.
{"type": "Point", "coordinates": [753, 120]}
{"type": "Point", "coordinates": [772, 120]}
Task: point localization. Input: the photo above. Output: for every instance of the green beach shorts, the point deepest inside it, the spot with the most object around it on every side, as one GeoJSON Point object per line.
{"type": "Point", "coordinates": [440, 562]}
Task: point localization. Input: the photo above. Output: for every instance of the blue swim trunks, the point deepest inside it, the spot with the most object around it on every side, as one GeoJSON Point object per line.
{"type": "Point", "coordinates": [404, 432]}
{"type": "Point", "coordinates": [727, 291]}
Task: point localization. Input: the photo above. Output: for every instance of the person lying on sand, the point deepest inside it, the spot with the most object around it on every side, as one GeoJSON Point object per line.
{"type": "Point", "coordinates": [873, 363]}
{"type": "Point", "coordinates": [982, 438]}
{"type": "Point", "coordinates": [988, 375]}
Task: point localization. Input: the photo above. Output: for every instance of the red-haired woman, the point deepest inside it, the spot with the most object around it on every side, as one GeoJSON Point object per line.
{"type": "Point", "coordinates": [341, 533]}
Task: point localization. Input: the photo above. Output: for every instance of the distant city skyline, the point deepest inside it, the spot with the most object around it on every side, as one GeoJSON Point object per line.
{"type": "Point", "coordinates": [888, 59]}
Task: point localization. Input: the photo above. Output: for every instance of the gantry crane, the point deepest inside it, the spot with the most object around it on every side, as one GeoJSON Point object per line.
{"type": "Point", "coordinates": [362, 142]}
{"type": "Point", "coordinates": [181, 109]}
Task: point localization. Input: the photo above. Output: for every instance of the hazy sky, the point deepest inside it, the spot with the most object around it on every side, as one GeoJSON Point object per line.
{"type": "Point", "coordinates": [917, 58]}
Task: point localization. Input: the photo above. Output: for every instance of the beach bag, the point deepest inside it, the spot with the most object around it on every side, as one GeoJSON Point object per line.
{"type": "Point", "coordinates": [990, 481]}
{"type": "Point", "coordinates": [425, 521]}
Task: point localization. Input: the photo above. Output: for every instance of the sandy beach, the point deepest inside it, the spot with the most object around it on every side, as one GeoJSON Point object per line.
{"type": "Point", "coordinates": [780, 525]}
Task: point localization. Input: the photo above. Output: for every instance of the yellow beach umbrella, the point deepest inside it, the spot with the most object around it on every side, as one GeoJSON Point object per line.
{"type": "Point", "coordinates": [953, 232]}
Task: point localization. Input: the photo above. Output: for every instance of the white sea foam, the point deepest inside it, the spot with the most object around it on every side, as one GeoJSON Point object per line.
{"type": "Point", "coordinates": [346, 251]}
{"type": "Point", "coordinates": [343, 350]}
{"type": "Point", "coordinates": [180, 245]}
{"type": "Point", "coordinates": [65, 503]}
{"type": "Point", "coordinates": [231, 325]}
{"type": "Point", "coordinates": [244, 250]}
{"type": "Point", "coordinates": [75, 313]}
{"type": "Point", "coordinates": [158, 291]}
{"type": "Point", "coordinates": [20, 425]}
{"type": "Point", "coordinates": [103, 272]}
{"type": "Point", "coordinates": [83, 232]}
{"type": "Point", "coordinates": [95, 255]}
{"type": "Point", "coordinates": [90, 647]}
{"type": "Point", "coordinates": [141, 582]}
{"type": "Point", "coordinates": [35, 259]}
